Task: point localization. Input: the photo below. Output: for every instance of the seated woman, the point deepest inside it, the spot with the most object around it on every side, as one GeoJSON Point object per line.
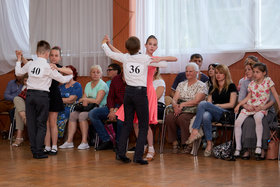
{"type": "Point", "coordinates": [159, 86]}
{"type": "Point", "coordinates": [187, 96]}
{"type": "Point", "coordinates": [249, 138]}
{"type": "Point", "coordinates": [70, 93]}
{"type": "Point", "coordinates": [19, 102]}
{"type": "Point", "coordinates": [222, 97]}
{"type": "Point", "coordinates": [95, 92]}
{"type": "Point", "coordinates": [211, 74]}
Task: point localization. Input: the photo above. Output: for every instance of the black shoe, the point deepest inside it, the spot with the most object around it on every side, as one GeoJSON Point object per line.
{"type": "Point", "coordinates": [105, 146]}
{"type": "Point", "coordinates": [260, 158]}
{"type": "Point", "coordinates": [131, 150]}
{"type": "Point", "coordinates": [246, 157]}
{"type": "Point", "coordinates": [141, 162]}
{"type": "Point", "coordinates": [52, 152]}
{"type": "Point", "coordinates": [46, 152]}
{"type": "Point", "coordinates": [40, 156]}
{"type": "Point", "coordinates": [123, 159]}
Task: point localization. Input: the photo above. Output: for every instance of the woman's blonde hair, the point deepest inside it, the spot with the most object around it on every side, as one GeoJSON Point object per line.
{"type": "Point", "coordinates": [96, 67]}
{"type": "Point", "coordinates": [157, 74]}
{"type": "Point", "coordinates": [224, 70]}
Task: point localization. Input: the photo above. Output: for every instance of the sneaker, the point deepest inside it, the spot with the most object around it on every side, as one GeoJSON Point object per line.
{"type": "Point", "coordinates": [83, 146]}
{"type": "Point", "coordinates": [66, 145]}
{"type": "Point", "coordinates": [131, 150]}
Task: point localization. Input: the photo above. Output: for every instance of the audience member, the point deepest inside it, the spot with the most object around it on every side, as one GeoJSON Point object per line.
{"type": "Point", "coordinates": [255, 104]}
{"type": "Point", "coordinates": [114, 100]}
{"type": "Point", "coordinates": [249, 59]}
{"type": "Point", "coordinates": [186, 98]}
{"type": "Point", "coordinates": [71, 92]}
{"type": "Point", "coordinates": [211, 74]}
{"type": "Point", "coordinates": [20, 116]}
{"type": "Point", "coordinates": [113, 70]}
{"type": "Point", "coordinates": [196, 58]}
{"type": "Point", "coordinates": [160, 88]}
{"type": "Point", "coordinates": [249, 137]}
{"type": "Point", "coordinates": [222, 98]}
{"type": "Point", "coordinates": [13, 88]}
{"type": "Point", "coordinates": [95, 92]}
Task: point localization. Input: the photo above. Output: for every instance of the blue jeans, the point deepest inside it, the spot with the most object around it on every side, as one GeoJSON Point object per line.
{"type": "Point", "coordinates": [205, 114]}
{"type": "Point", "coordinates": [97, 116]}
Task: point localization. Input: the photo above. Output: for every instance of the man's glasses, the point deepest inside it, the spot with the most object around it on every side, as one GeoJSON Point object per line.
{"type": "Point", "coordinates": [110, 69]}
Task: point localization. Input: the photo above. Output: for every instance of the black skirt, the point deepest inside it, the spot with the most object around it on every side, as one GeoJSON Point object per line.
{"type": "Point", "coordinates": [56, 103]}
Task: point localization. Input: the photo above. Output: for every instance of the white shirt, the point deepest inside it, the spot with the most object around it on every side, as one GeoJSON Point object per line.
{"type": "Point", "coordinates": [40, 74]}
{"type": "Point", "coordinates": [157, 83]}
{"type": "Point", "coordinates": [135, 67]}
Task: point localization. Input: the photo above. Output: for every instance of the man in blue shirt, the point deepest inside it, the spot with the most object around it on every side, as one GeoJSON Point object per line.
{"type": "Point", "coordinates": [13, 88]}
{"type": "Point", "coordinates": [196, 58]}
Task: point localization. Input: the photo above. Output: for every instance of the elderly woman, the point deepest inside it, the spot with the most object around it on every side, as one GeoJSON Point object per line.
{"type": "Point", "coordinates": [222, 98]}
{"type": "Point", "coordinates": [187, 96]}
{"type": "Point", "coordinates": [95, 92]}
{"type": "Point", "coordinates": [249, 138]}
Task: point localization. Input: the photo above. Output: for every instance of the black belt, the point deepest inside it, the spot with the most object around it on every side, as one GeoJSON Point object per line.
{"type": "Point", "coordinates": [38, 91]}
{"type": "Point", "coordinates": [137, 87]}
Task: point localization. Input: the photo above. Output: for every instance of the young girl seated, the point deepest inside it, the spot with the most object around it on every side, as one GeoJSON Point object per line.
{"type": "Point", "coordinates": [257, 98]}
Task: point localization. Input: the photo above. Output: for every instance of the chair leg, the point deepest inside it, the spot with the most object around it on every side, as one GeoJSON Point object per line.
{"type": "Point", "coordinates": [196, 145]}
{"type": "Point", "coordinates": [96, 141]}
{"type": "Point", "coordinates": [163, 131]}
{"type": "Point", "coordinates": [11, 131]}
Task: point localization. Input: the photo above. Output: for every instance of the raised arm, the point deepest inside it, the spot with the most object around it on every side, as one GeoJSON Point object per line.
{"type": "Point", "coordinates": [113, 55]}
{"type": "Point", "coordinates": [106, 37]}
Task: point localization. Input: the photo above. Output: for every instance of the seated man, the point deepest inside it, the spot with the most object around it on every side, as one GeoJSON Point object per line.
{"type": "Point", "coordinates": [98, 115]}
{"type": "Point", "coordinates": [196, 58]}
{"type": "Point", "coordinates": [13, 89]}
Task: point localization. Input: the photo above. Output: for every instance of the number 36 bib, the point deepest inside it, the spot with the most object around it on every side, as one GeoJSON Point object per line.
{"type": "Point", "coordinates": [135, 69]}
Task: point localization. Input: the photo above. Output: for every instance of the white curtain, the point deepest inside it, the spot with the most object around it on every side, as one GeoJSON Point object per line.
{"type": "Point", "coordinates": [14, 31]}
{"type": "Point", "coordinates": [77, 26]}
{"type": "Point", "coordinates": [221, 31]}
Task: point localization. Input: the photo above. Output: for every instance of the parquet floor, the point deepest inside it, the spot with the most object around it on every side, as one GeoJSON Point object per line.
{"type": "Point", "coordinates": [73, 167]}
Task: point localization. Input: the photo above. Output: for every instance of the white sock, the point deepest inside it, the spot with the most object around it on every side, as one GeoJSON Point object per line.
{"type": "Point", "coordinates": [54, 147]}
{"type": "Point", "coordinates": [145, 147]}
{"type": "Point", "coordinates": [151, 149]}
{"type": "Point", "coordinates": [47, 148]}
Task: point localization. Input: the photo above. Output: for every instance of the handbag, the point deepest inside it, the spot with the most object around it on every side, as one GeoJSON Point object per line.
{"type": "Point", "coordinates": [110, 130]}
{"type": "Point", "coordinates": [224, 151]}
{"type": "Point", "coordinates": [187, 109]}
{"type": "Point", "coordinates": [80, 108]}
{"type": "Point", "coordinates": [273, 146]}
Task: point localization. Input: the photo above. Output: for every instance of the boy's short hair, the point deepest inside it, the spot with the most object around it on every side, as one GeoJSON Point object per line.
{"type": "Point", "coordinates": [132, 44]}
{"type": "Point", "coordinates": [43, 46]}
